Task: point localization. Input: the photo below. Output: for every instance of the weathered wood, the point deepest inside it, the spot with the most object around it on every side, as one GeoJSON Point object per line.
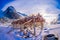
{"type": "Point", "coordinates": [29, 22]}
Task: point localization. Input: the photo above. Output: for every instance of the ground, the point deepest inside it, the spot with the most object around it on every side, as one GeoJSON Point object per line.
{"type": "Point", "coordinates": [54, 29]}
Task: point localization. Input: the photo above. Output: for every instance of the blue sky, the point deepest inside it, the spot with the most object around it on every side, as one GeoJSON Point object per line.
{"type": "Point", "coordinates": [4, 2]}
{"type": "Point", "coordinates": [58, 3]}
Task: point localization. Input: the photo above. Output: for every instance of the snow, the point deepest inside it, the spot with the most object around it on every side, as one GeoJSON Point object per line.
{"type": "Point", "coordinates": [4, 24]}
{"type": "Point", "coordinates": [12, 36]}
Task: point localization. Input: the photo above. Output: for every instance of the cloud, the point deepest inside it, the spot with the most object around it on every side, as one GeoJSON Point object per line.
{"type": "Point", "coordinates": [34, 6]}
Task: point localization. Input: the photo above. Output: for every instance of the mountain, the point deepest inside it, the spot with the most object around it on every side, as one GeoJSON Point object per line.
{"type": "Point", "coordinates": [1, 14]}
{"type": "Point", "coordinates": [11, 13]}
{"type": "Point", "coordinates": [21, 14]}
{"type": "Point", "coordinates": [59, 17]}
{"type": "Point", "coordinates": [58, 20]}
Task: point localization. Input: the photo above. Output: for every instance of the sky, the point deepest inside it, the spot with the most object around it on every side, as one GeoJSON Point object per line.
{"type": "Point", "coordinates": [32, 6]}
{"type": "Point", "coordinates": [44, 7]}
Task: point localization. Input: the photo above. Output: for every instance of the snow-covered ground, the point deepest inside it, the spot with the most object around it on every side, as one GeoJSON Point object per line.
{"type": "Point", "coordinates": [4, 24]}
{"type": "Point", "coordinates": [11, 36]}
{"type": "Point", "coordinates": [52, 29]}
